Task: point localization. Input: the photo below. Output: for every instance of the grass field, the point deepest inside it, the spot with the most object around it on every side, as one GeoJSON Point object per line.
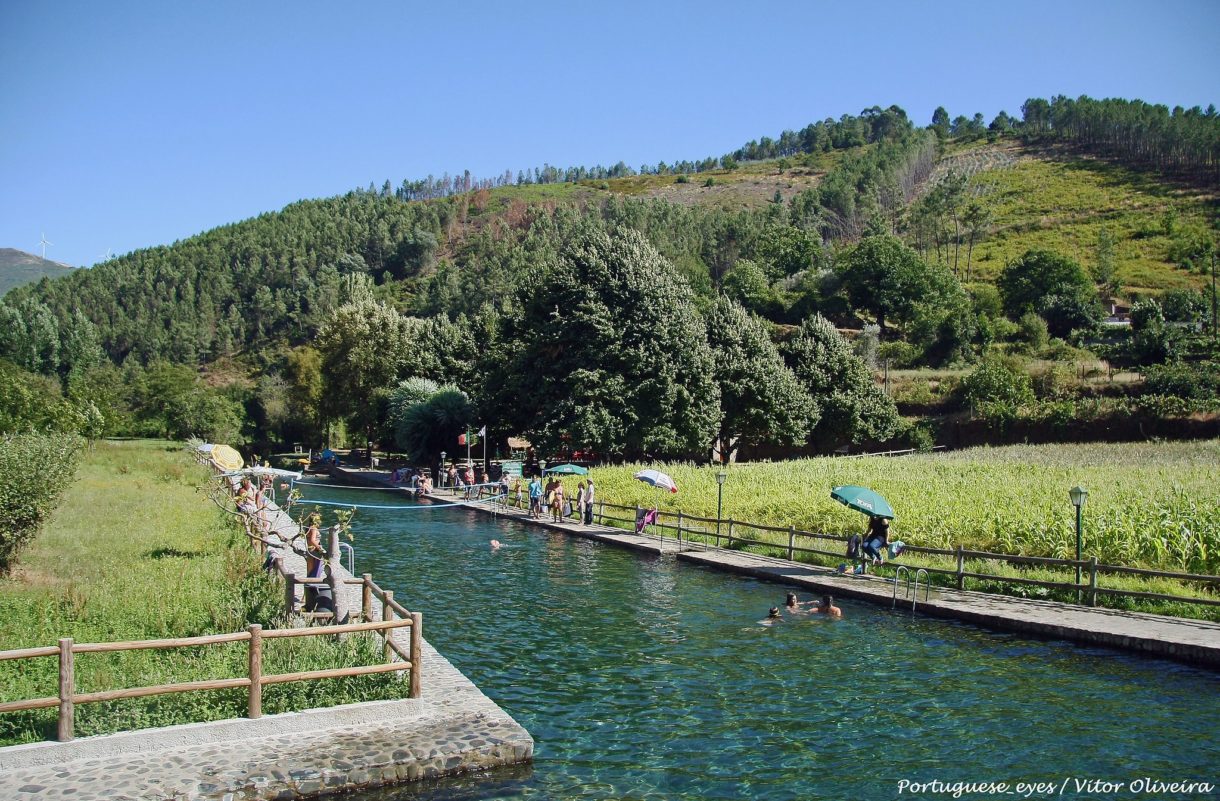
{"type": "Point", "coordinates": [1063, 204]}
{"type": "Point", "coordinates": [135, 552]}
{"type": "Point", "coordinates": [1150, 504]}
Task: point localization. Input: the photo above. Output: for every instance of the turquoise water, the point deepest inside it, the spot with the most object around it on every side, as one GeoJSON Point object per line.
{"type": "Point", "coordinates": [645, 678]}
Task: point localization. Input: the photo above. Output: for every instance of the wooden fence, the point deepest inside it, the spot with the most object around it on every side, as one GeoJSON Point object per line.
{"type": "Point", "coordinates": [253, 681]}
{"type": "Point", "coordinates": [735, 534]}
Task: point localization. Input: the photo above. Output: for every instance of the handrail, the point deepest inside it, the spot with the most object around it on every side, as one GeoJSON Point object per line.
{"type": "Point", "coordinates": [666, 521]}
{"type": "Point", "coordinates": [254, 681]}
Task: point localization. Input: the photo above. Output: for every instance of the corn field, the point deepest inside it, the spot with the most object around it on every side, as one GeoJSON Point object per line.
{"type": "Point", "coordinates": [1151, 505]}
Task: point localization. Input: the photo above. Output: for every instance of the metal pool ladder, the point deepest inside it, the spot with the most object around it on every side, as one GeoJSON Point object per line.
{"type": "Point", "coordinates": [927, 588]}
{"type": "Point", "coordinates": [351, 556]}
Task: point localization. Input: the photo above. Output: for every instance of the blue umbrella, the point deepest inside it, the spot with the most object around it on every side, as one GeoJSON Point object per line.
{"type": "Point", "coordinates": [863, 499]}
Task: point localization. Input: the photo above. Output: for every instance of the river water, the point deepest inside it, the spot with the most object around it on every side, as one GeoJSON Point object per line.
{"type": "Point", "coordinates": [645, 678]}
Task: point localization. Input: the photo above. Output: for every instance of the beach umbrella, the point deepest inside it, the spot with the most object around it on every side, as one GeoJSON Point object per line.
{"type": "Point", "coordinates": [657, 479]}
{"type": "Point", "coordinates": [568, 470]}
{"type": "Point", "coordinates": [864, 500]}
{"type": "Point", "coordinates": [226, 458]}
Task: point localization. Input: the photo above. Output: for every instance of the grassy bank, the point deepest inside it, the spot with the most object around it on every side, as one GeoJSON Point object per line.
{"type": "Point", "coordinates": [1153, 505]}
{"type": "Point", "coordinates": [135, 552]}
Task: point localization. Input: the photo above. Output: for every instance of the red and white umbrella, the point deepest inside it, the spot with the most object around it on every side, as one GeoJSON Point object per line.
{"type": "Point", "coordinates": [656, 478]}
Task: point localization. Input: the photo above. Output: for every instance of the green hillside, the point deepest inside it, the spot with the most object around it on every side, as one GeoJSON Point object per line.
{"type": "Point", "coordinates": [1058, 200]}
{"type": "Point", "coordinates": [18, 268]}
{"type": "Point", "coordinates": [944, 246]}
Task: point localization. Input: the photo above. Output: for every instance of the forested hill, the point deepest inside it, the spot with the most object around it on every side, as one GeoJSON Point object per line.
{"type": "Point", "coordinates": [18, 268]}
{"type": "Point", "coordinates": [766, 225]}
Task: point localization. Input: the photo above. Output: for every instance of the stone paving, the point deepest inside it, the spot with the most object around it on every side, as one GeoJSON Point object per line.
{"type": "Point", "coordinates": [452, 729]}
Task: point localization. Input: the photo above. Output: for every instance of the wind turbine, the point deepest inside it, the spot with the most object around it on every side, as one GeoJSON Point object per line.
{"type": "Point", "coordinates": [44, 244]}
{"type": "Point", "coordinates": [109, 254]}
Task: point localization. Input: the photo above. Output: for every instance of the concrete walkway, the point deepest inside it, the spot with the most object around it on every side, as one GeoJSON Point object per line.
{"type": "Point", "coordinates": [452, 728]}
{"type": "Point", "coordinates": [1182, 639]}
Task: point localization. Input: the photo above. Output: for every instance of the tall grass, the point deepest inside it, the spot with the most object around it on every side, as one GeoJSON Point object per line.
{"type": "Point", "coordinates": [1150, 504]}
{"type": "Point", "coordinates": [136, 552]}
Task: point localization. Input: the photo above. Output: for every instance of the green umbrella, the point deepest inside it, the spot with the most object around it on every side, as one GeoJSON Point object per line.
{"type": "Point", "coordinates": [863, 499]}
{"type": "Point", "coordinates": [568, 470]}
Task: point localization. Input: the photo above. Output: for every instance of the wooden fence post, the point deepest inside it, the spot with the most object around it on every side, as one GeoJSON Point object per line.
{"type": "Point", "coordinates": [67, 687]}
{"type": "Point", "coordinates": [679, 529]}
{"type": "Point", "coordinates": [417, 654]}
{"type": "Point", "coordinates": [730, 545]}
{"type": "Point", "coordinates": [1092, 581]}
{"type": "Point", "coordinates": [601, 510]}
{"type": "Point", "coordinates": [791, 540]}
{"type": "Point", "coordinates": [290, 593]}
{"type": "Point", "coordinates": [387, 614]}
{"type": "Point", "coordinates": [961, 579]}
{"type": "Point", "coordinates": [333, 567]}
{"type": "Point", "coordinates": [366, 597]}
{"type": "Point", "coordinates": [255, 707]}
{"type": "Point", "coordinates": [635, 523]}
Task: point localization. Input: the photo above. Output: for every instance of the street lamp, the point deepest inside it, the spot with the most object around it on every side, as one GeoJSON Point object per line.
{"type": "Point", "coordinates": [1078, 495]}
{"type": "Point", "coordinates": [720, 477]}
{"type": "Point", "coordinates": [441, 476]}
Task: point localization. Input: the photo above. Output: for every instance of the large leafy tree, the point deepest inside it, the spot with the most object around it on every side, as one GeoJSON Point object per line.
{"type": "Point", "coordinates": [852, 407]}
{"type": "Point", "coordinates": [605, 350]}
{"type": "Point", "coordinates": [761, 400]}
{"type": "Point", "coordinates": [364, 347]}
{"type": "Point", "coordinates": [1054, 286]}
{"type": "Point", "coordinates": [887, 278]}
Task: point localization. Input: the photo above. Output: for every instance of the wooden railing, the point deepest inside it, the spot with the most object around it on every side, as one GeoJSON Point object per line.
{"type": "Point", "coordinates": [735, 535]}
{"type": "Point", "coordinates": [254, 681]}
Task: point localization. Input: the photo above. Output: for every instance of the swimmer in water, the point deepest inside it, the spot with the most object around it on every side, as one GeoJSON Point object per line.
{"type": "Point", "coordinates": [792, 604]}
{"type": "Point", "coordinates": [827, 607]}
{"type": "Point", "coordinates": [495, 545]}
{"type": "Point", "coordinates": [773, 617]}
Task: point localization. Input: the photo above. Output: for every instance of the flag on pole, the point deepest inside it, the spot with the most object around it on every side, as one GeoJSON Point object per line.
{"type": "Point", "coordinates": [483, 431]}
{"type": "Point", "coordinates": [461, 439]}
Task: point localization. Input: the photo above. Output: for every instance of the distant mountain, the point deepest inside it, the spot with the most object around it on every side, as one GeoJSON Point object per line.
{"type": "Point", "coordinates": [18, 267]}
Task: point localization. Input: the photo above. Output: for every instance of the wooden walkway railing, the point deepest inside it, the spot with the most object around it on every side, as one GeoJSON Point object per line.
{"type": "Point", "coordinates": [254, 681]}
{"type": "Point", "coordinates": [728, 533]}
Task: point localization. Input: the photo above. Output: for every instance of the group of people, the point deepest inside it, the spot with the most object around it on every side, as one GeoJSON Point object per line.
{"type": "Point", "coordinates": [253, 498]}
{"type": "Point", "coordinates": [555, 500]}
{"type": "Point", "coordinates": [825, 606]}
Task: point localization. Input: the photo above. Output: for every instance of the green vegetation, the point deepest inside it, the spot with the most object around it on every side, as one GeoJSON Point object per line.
{"type": "Point", "coordinates": [1066, 204]}
{"type": "Point", "coordinates": [1152, 505]}
{"type": "Point", "coordinates": [34, 471]}
{"type": "Point", "coordinates": [18, 268]}
{"type": "Point", "coordinates": [296, 326]}
{"type": "Point", "coordinates": [135, 552]}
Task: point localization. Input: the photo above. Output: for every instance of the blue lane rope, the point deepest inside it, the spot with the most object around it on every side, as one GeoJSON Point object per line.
{"type": "Point", "coordinates": [416, 508]}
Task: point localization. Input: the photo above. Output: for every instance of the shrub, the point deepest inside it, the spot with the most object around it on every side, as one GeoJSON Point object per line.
{"type": "Point", "coordinates": [997, 382]}
{"type": "Point", "coordinates": [1198, 381]}
{"type": "Point", "coordinates": [34, 471]}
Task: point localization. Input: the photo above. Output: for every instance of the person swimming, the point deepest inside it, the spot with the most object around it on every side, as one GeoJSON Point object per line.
{"type": "Point", "coordinates": [773, 617]}
{"type": "Point", "coordinates": [495, 545]}
{"type": "Point", "coordinates": [827, 607]}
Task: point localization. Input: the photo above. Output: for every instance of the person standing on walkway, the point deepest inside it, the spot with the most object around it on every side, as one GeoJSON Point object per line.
{"type": "Point", "coordinates": [580, 501]}
{"type": "Point", "coordinates": [589, 503]}
{"type": "Point", "coordinates": [535, 498]}
{"type": "Point", "coordinates": [557, 503]}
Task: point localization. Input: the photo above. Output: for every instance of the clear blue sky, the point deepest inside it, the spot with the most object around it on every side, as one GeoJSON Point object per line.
{"type": "Point", "coordinates": [126, 125]}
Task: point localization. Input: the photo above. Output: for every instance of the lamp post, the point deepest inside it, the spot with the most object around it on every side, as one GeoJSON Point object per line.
{"type": "Point", "coordinates": [1078, 495]}
{"type": "Point", "coordinates": [720, 477]}
{"type": "Point", "coordinates": [441, 477]}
